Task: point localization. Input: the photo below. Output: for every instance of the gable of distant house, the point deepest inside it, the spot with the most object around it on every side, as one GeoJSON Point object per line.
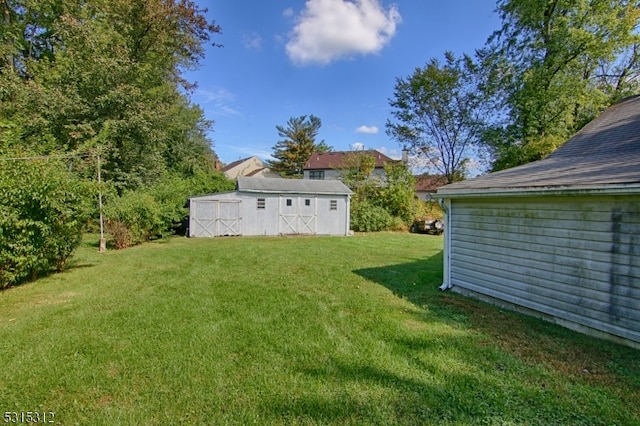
{"type": "Point", "coordinates": [249, 167]}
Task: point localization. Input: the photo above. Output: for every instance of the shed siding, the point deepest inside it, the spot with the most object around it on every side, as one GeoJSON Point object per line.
{"type": "Point", "coordinates": [577, 259]}
{"type": "Point", "coordinates": [276, 218]}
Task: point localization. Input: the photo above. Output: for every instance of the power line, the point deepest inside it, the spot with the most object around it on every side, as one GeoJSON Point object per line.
{"type": "Point", "coordinates": [46, 157]}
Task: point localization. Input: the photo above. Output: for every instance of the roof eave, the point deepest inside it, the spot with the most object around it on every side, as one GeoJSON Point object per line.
{"type": "Point", "coordinates": [291, 191]}
{"type": "Point", "coordinates": [573, 190]}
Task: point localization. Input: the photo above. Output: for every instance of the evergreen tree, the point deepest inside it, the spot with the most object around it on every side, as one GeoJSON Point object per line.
{"type": "Point", "coordinates": [292, 152]}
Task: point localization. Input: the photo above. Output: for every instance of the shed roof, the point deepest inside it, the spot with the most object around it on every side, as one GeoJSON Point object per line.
{"type": "Point", "coordinates": [301, 186]}
{"type": "Point", "coordinates": [336, 159]}
{"type": "Point", "coordinates": [604, 153]}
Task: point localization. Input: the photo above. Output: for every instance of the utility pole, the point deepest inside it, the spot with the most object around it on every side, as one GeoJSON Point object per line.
{"type": "Point", "coordinates": [103, 243]}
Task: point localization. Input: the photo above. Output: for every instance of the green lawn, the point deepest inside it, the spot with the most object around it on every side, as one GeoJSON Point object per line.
{"type": "Point", "coordinates": [323, 330]}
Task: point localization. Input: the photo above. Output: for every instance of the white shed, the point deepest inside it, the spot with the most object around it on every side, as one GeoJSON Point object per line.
{"type": "Point", "coordinates": [273, 207]}
{"type": "Point", "coordinates": [560, 237]}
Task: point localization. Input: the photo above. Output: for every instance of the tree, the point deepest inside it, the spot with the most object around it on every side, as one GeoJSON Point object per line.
{"type": "Point", "coordinates": [100, 76]}
{"type": "Point", "coordinates": [398, 195]}
{"type": "Point", "coordinates": [552, 67]}
{"type": "Point", "coordinates": [71, 69]}
{"type": "Point", "coordinates": [292, 152]}
{"type": "Point", "coordinates": [437, 110]}
{"type": "Point", "coordinates": [356, 172]}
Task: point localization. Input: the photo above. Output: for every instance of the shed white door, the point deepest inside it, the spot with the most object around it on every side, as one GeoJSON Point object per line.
{"type": "Point", "coordinates": [213, 218]}
{"type": "Point", "coordinates": [229, 222]}
{"type": "Point", "coordinates": [298, 215]}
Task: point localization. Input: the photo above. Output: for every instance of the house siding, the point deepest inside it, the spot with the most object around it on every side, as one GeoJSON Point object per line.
{"type": "Point", "coordinates": [338, 174]}
{"type": "Point", "coordinates": [576, 259]}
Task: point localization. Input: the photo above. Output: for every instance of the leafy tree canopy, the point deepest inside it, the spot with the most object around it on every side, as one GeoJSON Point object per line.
{"type": "Point", "coordinates": [552, 67]}
{"type": "Point", "coordinates": [74, 70]}
{"type": "Point", "coordinates": [436, 111]}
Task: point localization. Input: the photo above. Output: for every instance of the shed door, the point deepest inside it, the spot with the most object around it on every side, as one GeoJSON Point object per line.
{"type": "Point", "coordinates": [213, 218]}
{"type": "Point", "coordinates": [298, 215]}
{"type": "Point", "coordinates": [228, 222]}
{"type": "Point", "coordinates": [204, 218]}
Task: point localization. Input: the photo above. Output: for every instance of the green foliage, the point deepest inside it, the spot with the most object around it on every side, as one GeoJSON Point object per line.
{"type": "Point", "coordinates": [398, 195]}
{"type": "Point", "coordinates": [172, 193]}
{"type": "Point", "coordinates": [292, 152]}
{"type": "Point", "coordinates": [368, 217]}
{"type": "Point", "coordinates": [379, 203]}
{"type": "Point", "coordinates": [132, 218]}
{"type": "Point", "coordinates": [437, 111]}
{"type": "Point", "coordinates": [43, 209]}
{"type": "Point", "coordinates": [356, 172]}
{"type": "Point", "coordinates": [159, 210]}
{"type": "Point", "coordinates": [70, 70]}
{"type": "Point", "coordinates": [554, 66]}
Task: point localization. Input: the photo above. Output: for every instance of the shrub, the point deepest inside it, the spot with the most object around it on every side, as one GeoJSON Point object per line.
{"type": "Point", "coordinates": [43, 209]}
{"type": "Point", "coordinates": [160, 210]}
{"type": "Point", "coordinates": [173, 191]}
{"type": "Point", "coordinates": [366, 217]}
{"type": "Point", "coordinates": [133, 218]}
{"type": "Point", "coordinates": [398, 224]}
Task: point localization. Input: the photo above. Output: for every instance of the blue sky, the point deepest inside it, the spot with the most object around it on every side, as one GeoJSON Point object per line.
{"type": "Point", "coordinates": [335, 59]}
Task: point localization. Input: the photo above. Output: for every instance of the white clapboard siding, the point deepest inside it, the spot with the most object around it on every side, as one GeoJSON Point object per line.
{"type": "Point", "coordinates": [572, 258]}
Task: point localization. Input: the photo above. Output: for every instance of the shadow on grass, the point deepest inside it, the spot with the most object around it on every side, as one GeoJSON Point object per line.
{"type": "Point", "coordinates": [451, 375]}
{"type": "Point", "coordinates": [418, 282]}
{"type": "Point", "coordinates": [351, 395]}
{"type": "Point", "coordinates": [527, 337]}
{"type": "Point", "coordinates": [426, 391]}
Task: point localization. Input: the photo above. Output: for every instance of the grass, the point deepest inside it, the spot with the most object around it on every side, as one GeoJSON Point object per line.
{"type": "Point", "coordinates": [322, 330]}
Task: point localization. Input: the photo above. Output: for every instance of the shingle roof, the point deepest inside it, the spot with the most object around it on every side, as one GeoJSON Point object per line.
{"type": "Point", "coordinates": [234, 164]}
{"type": "Point", "coordinates": [335, 160]}
{"type": "Point", "coordinates": [303, 186]}
{"type": "Point", "coordinates": [430, 183]}
{"type": "Point", "coordinates": [605, 152]}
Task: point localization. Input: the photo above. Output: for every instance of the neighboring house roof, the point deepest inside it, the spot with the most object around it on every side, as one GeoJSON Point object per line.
{"type": "Point", "coordinates": [304, 186]}
{"type": "Point", "coordinates": [336, 160]}
{"type": "Point", "coordinates": [250, 166]}
{"type": "Point", "coordinates": [231, 166]}
{"type": "Point", "coordinates": [430, 183]}
{"type": "Point", "coordinates": [604, 153]}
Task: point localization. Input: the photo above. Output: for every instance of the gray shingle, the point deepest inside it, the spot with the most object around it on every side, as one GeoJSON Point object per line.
{"type": "Point", "coordinates": [605, 152]}
{"type": "Point", "coordinates": [303, 186]}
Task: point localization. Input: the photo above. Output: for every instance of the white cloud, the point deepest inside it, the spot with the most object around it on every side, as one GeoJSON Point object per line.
{"type": "Point", "coordinates": [357, 146]}
{"type": "Point", "coordinates": [332, 29]}
{"type": "Point", "coordinates": [391, 153]}
{"type": "Point", "coordinates": [221, 99]}
{"type": "Point", "coordinates": [368, 130]}
{"type": "Point", "coordinates": [288, 12]}
{"type": "Point", "coordinates": [252, 41]}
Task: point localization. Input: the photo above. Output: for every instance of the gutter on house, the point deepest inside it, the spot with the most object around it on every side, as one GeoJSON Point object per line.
{"type": "Point", "coordinates": [446, 275]}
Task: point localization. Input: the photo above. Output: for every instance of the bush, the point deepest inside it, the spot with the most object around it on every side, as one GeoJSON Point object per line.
{"type": "Point", "coordinates": [133, 218]}
{"type": "Point", "coordinates": [43, 209]}
{"type": "Point", "coordinates": [173, 191]}
{"type": "Point", "coordinates": [366, 217]}
{"type": "Point", "coordinates": [158, 211]}
{"type": "Point", "coordinates": [398, 224]}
